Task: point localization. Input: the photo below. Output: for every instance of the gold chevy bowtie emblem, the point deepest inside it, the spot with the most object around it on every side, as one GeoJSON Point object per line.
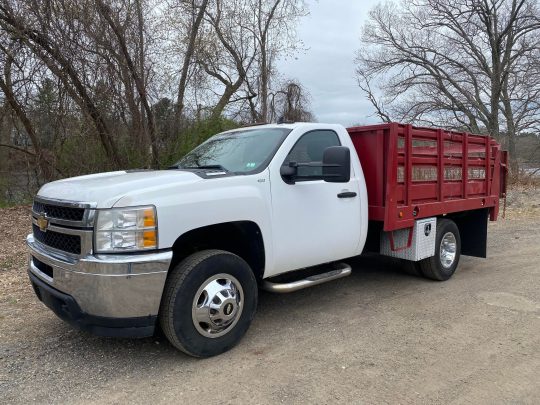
{"type": "Point", "coordinates": [43, 223]}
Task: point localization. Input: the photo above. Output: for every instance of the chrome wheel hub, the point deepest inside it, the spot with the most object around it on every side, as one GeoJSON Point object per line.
{"type": "Point", "coordinates": [447, 250]}
{"type": "Point", "coordinates": [217, 305]}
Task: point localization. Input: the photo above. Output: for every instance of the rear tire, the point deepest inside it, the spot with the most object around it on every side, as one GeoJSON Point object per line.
{"type": "Point", "coordinates": [209, 301]}
{"type": "Point", "coordinates": [447, 252]}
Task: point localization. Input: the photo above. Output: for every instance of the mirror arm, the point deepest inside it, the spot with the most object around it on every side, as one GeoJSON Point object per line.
{"type": "Point", "coordinates": [316, 164]}
{"type": "Point", "coordinates": [290, 176]}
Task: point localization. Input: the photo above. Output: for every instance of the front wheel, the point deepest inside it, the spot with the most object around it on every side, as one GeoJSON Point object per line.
{"type": "Point", "coordinates": [447, 252]}
{"type": "Point", "coordinates": [209, 301]}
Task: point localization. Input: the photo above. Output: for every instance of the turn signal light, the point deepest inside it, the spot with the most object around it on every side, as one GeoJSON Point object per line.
{"type": "Point", "coordinates": [149, 239]}
{"type": "Point", "coordinates": [149, 218]}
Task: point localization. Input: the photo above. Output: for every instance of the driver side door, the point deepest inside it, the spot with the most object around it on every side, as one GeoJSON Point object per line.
{"type": "Point", "coordinates": [311, 221]}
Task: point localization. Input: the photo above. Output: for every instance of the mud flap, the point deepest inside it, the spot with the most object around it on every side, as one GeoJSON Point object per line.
{"type": "Point", "coordinates": [473, 232]}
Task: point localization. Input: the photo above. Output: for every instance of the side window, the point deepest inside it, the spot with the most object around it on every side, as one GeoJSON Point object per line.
{"type": "Point", "coordinates": [309, 149]}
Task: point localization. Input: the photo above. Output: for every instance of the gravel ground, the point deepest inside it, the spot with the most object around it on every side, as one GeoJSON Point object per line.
{"type": "Point", "coordinates": [381, 335]}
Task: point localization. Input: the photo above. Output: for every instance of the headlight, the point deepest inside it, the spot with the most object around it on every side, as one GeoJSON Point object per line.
{"type": "Point", "coordinates": [125, 229]}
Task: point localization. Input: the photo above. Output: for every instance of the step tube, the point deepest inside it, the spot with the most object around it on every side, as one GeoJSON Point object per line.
{"type": "Point", "coordinates": [343, 270]}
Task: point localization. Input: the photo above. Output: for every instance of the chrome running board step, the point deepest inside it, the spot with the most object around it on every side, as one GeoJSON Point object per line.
{"type": "Point", "coordinates": [340, 270]}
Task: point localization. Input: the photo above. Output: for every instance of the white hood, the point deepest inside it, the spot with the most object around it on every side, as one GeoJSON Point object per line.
{"type": "Point", "coordinates": [106, 189]}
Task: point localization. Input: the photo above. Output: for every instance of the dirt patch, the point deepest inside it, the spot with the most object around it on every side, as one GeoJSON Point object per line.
{"type": "Point", "coordinates": [14, 285]}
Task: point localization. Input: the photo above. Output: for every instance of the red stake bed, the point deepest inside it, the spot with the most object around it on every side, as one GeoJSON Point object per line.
{"type": "Point", "coordinates": [414, 172]}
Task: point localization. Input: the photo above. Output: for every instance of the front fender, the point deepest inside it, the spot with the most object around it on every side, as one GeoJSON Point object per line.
{"type": "Point", "coordinates": [182, 208]}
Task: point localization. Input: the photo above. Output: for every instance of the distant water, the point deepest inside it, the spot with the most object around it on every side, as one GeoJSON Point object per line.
{"type": "Point", "coordinates": [536, 171]}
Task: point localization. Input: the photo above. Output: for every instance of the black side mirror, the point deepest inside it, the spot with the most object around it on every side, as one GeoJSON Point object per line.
{"type": "Point", "coordinates": [289, 172]}
{"type": "Point", "coordinates": [336, 164]}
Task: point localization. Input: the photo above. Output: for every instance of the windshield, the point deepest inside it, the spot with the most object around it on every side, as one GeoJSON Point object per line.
{"type": "Point", "coordinates": [239, 151]}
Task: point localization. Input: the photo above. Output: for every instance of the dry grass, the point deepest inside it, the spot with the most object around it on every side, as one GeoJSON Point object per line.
{"type": "Point", "coordinates": [522, 201]}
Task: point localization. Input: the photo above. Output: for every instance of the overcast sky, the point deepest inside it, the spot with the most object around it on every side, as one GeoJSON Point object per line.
{"type": "Point", "coordinates": [331, 34]}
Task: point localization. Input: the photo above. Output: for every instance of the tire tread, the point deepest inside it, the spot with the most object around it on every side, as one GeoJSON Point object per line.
{"type": "Point", "coordinates": [176, 278]}
{"type": "Point", "coordinates": [429, 267]}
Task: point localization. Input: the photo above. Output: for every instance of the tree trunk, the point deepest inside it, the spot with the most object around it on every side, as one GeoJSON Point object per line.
{"type": "Point", "coordinates": [511, 130]}
{"type": "Point", "coordinates": [187, 60]}
{"type": "Point", "coordinates": [264, 84]}
{"type": "Point", "coordinates": [225, 98]}
{"type": "Point", "coordinates": [142, 63]}
{"type": "Point", "coordinates": [139, 81]}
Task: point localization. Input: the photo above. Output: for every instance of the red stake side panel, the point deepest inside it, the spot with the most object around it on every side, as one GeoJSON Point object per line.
{"type": "Point", "coordinates": [413, 172]}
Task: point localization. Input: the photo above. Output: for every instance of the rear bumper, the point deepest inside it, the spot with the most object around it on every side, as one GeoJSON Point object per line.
{"type": "Point", "coordinates": [101, 293]}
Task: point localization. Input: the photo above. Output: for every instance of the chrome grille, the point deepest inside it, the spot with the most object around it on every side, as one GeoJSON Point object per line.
{"type": "Point", "coordinates": [64, 226]}
{"type": "Point", "coordinates": [59, 241]}
{"type": "Point", "coordinates": [59, 212]}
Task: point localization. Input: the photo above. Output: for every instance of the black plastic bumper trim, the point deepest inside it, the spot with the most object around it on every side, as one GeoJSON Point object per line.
{"type": "Point", "coordinates": [67, 309]}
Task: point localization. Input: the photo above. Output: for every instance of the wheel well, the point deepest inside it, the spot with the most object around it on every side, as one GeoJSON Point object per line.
{"type": "Point", "coordinates": [243, 238]}
{"type": "Point", "coordinates": [472, 226]}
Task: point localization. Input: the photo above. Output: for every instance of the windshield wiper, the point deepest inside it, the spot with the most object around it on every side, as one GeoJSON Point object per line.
{"type": "Point", "coordinates": [218, 167]}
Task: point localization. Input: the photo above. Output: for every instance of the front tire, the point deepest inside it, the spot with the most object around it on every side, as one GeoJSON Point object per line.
{"type": "Point", "coordinates": [209, 301]}
{"type": "Point", "coordinates": [447, 252]}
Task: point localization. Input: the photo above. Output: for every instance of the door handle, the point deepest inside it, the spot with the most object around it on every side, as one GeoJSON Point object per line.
{"type": "Point", "coordinates": [347, 194]}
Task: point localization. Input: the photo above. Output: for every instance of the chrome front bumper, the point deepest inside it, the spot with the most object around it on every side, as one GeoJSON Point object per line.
{"type": "Point", "coordinates": [107, 286]}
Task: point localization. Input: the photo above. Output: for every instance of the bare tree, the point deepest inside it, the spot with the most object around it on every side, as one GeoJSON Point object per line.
{"type": "Point", "coordinates": [37, 27]}
{"type": "Point", "coordinates": [274, 31]}
{"type": "Point", "coordinates": [136, 70]}
{"type": "Point", "coordinates": [229, 52]}
{"type": "Point", "coordinates": [459, 64]}
{"type": "Point", "coordinates": [46, 167]}
{"type": "Point", "coordinates": [195, 19]}
{"type": "Point", "coordinates": [290, 103]}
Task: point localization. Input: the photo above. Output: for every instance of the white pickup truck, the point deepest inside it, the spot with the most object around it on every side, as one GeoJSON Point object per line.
{"type": "Point", "coordinates": [187, 248]}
